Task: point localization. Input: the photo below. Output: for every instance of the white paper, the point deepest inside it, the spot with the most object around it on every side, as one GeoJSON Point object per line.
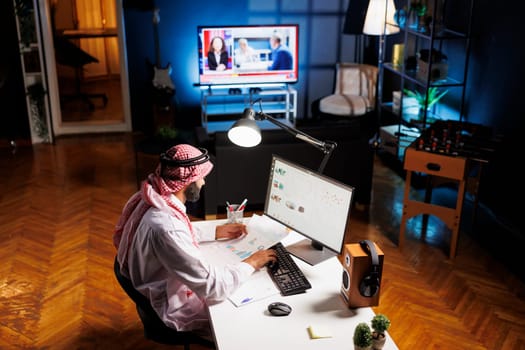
{"type": "Point", "coordinates": [263, 233]}
{"type": "Point", "coordinates": [259, 286]}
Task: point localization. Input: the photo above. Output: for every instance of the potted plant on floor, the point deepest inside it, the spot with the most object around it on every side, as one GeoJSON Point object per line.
{"type": "Point", "coordinates": [168, 136]}
{"type": "Point", "coordinates": [362, 337]}
{"type": "Point", "coordinates": [380, 324]}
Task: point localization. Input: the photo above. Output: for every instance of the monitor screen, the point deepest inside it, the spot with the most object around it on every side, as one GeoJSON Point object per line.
{"type": "Point", "coordinates": [312, 204]}
{"type": "Point", "coordinates": [249, 54]}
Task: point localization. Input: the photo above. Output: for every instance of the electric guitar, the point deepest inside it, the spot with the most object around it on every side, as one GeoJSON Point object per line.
{"type": "Point", "coordinates": [161, 75]}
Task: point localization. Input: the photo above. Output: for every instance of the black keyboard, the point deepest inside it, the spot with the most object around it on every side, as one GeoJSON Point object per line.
{"type": "Point", "coordinates": [286, 274]}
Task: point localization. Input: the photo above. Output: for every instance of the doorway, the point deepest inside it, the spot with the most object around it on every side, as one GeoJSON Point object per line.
{"type": "Point", "coordinates": [87, 74]}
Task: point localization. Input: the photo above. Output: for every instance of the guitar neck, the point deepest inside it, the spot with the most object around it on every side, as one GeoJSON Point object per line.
{"type": "Point", "coordinates": [156, 20]}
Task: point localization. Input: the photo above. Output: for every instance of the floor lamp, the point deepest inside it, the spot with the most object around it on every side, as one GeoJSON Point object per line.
{"type": "Point", "coordinates": [378, 16]}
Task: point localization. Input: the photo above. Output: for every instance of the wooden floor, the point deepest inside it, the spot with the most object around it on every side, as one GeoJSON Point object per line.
{"type": "Point", "coordinates": [75, 109]}
{"type": "Point", "coordinates": [59, 204]}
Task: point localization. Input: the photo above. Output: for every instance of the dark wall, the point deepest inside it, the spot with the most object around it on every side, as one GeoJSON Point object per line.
{"type": "Point", "coordinates": [495, 93]}
{"type": "Point", "coordinates": [178, 45]}
{"type": "Point", "coordinates": [494, 86]}
{"type": "Point", "coordinates": [139, 48]}
{"type": "Point", "coordinates": [13, 116]}
{"type": "Point", "coordinates": [177, 31]}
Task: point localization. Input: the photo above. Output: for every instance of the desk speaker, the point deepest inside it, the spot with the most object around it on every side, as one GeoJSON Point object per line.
{"type": "Point", "coordinates": [362, 269]}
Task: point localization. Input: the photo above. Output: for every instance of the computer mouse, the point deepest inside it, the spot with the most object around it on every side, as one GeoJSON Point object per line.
{"type": "Point", "coordinates": [279, 309]}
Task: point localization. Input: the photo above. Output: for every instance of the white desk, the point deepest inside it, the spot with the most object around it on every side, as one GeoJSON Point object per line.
{"type": "Point", "coordinates": [252, 327]}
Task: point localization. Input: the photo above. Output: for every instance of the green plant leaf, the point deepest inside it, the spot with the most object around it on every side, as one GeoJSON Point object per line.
{"type": "Point", "coordinates": [362, 335]}
{"type": "Point", "coordinates": [380, 323]}
{"type": "Point", "coordinates": [434, 95]}
{"type": "Point", "coordinates": [167, 132]}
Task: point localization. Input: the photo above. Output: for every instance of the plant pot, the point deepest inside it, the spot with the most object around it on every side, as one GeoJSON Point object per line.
{"type": "Point", "coordinates": [356, 347]}
{"type": "Point", "coordinates": [378, 343]}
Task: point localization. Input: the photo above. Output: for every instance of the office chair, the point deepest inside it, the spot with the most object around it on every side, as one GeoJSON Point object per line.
{"type": "Point", "coordinates": [69, 54]}
{"type": "Point", "coordinates": [154, 328]}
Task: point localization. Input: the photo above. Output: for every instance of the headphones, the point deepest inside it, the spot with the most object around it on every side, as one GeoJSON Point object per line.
{"type": "Point", "coordinates": [369, 285]}
{"type": "Point", "coordinates": [165, 160]}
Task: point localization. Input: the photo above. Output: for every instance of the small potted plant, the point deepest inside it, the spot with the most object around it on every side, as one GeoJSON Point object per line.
{"type": "Point", "coordinates": [380, 324]}
{"type": "Point", "coordinates": [434, 95]}
{"type": "Point", "coordinates": [167, 136]}
{"type": "Point", "coordinates": [362, 337]}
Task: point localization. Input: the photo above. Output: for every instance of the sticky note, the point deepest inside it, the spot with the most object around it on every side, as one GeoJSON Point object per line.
{"type": "Point", "coordinates": [318, 332]}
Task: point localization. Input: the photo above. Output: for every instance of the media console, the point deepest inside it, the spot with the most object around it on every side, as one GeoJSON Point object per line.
{"type": "Point", "coordinates": [222, 106]}
{"type": "Point", "coordinates": [243, 172]}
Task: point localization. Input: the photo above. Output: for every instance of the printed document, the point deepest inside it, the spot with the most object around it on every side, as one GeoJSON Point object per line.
{"type": "Point", "coordinates": [263, 232]}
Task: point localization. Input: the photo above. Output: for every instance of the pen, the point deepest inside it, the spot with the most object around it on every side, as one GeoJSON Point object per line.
{"type": "Point", "coordinates": [230, 208]}
{"type": "Point", "coordinates": [243, 204]}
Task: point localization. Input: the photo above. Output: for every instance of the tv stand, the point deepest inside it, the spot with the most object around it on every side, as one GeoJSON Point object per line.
{"type": "Point", "coordinates": [221, 107]}
{"type": "Point", "coordinates": [234, 91]}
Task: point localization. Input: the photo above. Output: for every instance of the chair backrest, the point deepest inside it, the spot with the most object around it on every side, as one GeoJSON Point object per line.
{"type": "Point", "coordinates": [127, 286]}
{"type": "Point", "coordinates": [154, 327]}
{"type": "Point", "coordinates": [356, 79]}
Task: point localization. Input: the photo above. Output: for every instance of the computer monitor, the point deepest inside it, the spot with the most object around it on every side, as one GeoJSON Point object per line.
{"type": "Point", "coordinates": [312, 204]}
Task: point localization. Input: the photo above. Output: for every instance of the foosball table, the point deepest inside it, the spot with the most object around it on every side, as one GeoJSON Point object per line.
{"type": "Point", "coordinates": [448, 151]}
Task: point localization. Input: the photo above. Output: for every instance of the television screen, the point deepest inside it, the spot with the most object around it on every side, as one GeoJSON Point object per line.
{"type": "Point", "coordinates": [250, 54]}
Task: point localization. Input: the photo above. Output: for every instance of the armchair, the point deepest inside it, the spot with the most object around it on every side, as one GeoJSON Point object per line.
{"type": "Point", "coordinates": [354, 91]}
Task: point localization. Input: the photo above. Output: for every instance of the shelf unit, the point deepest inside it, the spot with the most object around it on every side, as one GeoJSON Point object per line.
{"type": "Point", "coordinates": [449, 37]}
{"type": "Point", "coordinates": [221, 107]}
{"type": "Point", "coordinates": [32, 62]}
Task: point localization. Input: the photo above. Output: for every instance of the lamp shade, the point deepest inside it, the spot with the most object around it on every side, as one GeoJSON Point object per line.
{"type": "Point", "coordinates": [379, 11]}
{"type": "Point", "coordinates": [245, 133]}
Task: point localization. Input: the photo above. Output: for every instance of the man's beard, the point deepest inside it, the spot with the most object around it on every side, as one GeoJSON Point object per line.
{"type": "Point", "coordinates": [192, 192]}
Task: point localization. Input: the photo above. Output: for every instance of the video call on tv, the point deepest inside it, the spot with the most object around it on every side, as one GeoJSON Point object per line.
{"type": "Point", "coordinates": [244, 54]}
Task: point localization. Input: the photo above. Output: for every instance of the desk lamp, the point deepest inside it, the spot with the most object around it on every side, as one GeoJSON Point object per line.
{"type": "Point", "coordinates": [246, 133]}
{"type": "Point", "coordinates": [378, 16]}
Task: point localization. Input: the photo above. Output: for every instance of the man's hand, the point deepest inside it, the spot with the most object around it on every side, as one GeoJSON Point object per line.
{"type": "Point", "coordinates": [261, 258]}
{"type": "Point", "coordinates": [230, 231]}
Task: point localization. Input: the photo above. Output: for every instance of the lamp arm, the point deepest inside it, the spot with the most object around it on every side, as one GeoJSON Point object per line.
{"type": "Point", "coordinates": [326, 147]}
{"type": "Point", "coordinates": [329, 147]}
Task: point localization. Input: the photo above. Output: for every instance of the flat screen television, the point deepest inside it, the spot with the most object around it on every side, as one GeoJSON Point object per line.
{"type": "Point", "coordinates": [259, 63]}
{"type": "Point", "coordinates": [312, 204]}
